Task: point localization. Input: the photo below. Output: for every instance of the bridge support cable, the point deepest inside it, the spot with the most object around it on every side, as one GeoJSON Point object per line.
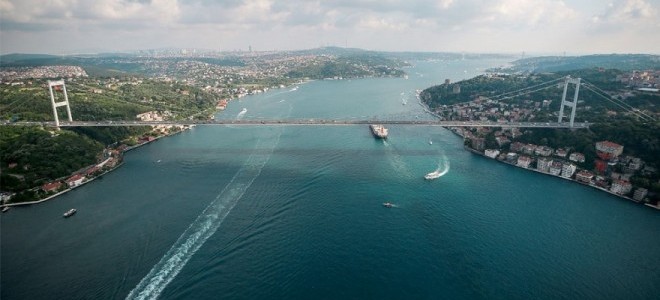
{"type": "Point", "coordinates": [629, 108]}
{"type": "Point", "coordinates": [529, 87]}
{"type": "Point", "coordinates": [523, 94]}
{"type": "Point", "coordinates": [573, 104]}
{"type": "Point", "coordinates": [56, 84]}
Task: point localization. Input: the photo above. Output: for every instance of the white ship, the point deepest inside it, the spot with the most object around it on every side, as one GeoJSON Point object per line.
{"type": "Point", "coordinates": [379, 131]}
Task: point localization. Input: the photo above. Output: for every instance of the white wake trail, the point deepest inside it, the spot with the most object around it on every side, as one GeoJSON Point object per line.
{"type": "Point", "coordinates": [206, 224]}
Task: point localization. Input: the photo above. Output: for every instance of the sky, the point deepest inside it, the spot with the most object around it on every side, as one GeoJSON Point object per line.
{"type": "Point", "coordinates": [476, 26]}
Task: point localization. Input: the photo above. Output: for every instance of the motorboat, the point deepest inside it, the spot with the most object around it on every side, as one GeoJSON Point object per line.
{"type": "Point", "coordinates": [69, 213]}
{"type": "Point", "coordinates": [432, 175]}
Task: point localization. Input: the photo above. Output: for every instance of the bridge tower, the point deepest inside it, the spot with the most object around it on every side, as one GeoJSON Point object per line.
{"type": "Point", "coordinates": [572, 105]}
{"type": "Point", "coordinates": [56, 84]}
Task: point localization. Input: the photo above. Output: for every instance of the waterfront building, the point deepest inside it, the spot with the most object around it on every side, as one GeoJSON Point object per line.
{"type": "Point", "coordinates": [543, 164]}
{"type": "Point", "coordinates": [524, 161]}
{"type": "Point", "coordinates": [576, 157]}
{"type": "Point", "coordinates": [608, 150]}
{"type": "Point", "coordinates": [584, 176]}
{"type": "Point", "coordinates": [478, 143]}
{"type": "Point", "coordinates": [75, 180]}
{"type": "Point", "coordinates": [640, 194]}
{"type": "Point", "coordinates": [51, 186]}
{"type": "Point", "coordinates": [555, 168]}
{"type": "Point", "coordinates": [512, 157]}
{"type": "Point", "coordinates": [620, 187]}
{"type": "Point", "coordinates": [567, 170]}
{"type": "Point", "coordinates": [492, 153]}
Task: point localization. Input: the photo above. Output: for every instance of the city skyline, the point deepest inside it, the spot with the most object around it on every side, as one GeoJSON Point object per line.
{"type": "Point", "coordinates": [505, 26]}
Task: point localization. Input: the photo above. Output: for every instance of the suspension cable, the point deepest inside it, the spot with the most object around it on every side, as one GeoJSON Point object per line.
{"type": "Point", "coordinates": [625, 108]}
{"type": "Point", "coordinates": [529, 87]}
{"type": "Point", "coordinates": [612, 99]}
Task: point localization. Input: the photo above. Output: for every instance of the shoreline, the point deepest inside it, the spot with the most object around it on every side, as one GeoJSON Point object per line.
{"type": "Point", "coordinates": [91, 179]}
{"type": "Point", "coordinates": [560, 177]}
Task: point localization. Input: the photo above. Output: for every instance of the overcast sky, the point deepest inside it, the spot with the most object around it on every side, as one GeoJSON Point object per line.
{"type": "Point", "coordinates": [512, 26]}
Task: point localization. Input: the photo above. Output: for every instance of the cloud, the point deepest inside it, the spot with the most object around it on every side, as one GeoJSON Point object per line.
{"type": "Point", "coordinates": [638, 13]}
{"type": "Point", "coordinates": [371, 23]}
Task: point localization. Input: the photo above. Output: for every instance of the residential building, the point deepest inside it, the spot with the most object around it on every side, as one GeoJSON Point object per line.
{"type": "Point", "coordinates": [640, 194]}
{"type": "Point", "coordinates": [543, 151]}
{"type": "Point", "coordinates": [620, 187]}
{"type": "Point", "coordinates": [75, 180]}
{"type": "Point", "coordinates": [492, 153]}
{"type": "Point", "coordinates": [524, 161]}
{"type": "Point", "coordinates": [51, 186]}
{"type": "Point", "coordinates": [584, 176]}
{"type": "Point", "coordinates": [561, 152]}
{"type": "Point", "coordinates": [543, 164]}
{"type": "Point", "coordinates": [567, 170]}
{"type": "Point", "coordinates": [555, 168]}
{"type": "Point", "coordinates": [608, 150]}
{"type": "Point", "coordinates": [576, 157]}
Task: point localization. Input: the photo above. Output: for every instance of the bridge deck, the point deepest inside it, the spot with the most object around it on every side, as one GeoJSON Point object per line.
{"type": "Point", "coordinates": [312, 122]}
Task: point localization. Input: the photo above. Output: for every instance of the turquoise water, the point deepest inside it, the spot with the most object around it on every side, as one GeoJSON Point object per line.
{"type": "Point", "coordinates": [295, 212]}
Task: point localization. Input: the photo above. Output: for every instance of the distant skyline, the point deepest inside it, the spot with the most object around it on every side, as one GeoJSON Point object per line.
{"type": "Point", "coordinates": [479, 26]}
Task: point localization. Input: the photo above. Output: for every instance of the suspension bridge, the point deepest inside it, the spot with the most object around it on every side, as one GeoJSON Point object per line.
{"type": "Point", "coordinates": [566, 104]}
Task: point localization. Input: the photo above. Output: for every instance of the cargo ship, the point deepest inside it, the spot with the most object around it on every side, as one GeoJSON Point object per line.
{"type": "Point", "coordinates": [379, 131]}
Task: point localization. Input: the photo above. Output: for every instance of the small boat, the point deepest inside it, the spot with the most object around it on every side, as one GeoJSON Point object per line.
{"type": "Point", "coordinates": [5, 209]}
{"type": "Point", "coordinates": [388, 204]}
{"type": "Point", "coordinates": [432, 175]}
{"type": "Point", "coordinates": [69, 213]}
{"type": "Point", "coordinates": [430, 142]}
{"type": "Point", "coordinates": [244, 110]}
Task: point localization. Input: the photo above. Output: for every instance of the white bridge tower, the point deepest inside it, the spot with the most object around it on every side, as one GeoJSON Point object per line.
{"type": "Point", "coordinates": [573, 104]}
{"type": "Point", "coordinates": [56, 84]}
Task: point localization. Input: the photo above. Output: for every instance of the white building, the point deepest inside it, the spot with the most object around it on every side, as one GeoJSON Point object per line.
{"type": "Point", "coordinates": [567, 170]}
{"type": "Point", "coordinates": [492, 153]}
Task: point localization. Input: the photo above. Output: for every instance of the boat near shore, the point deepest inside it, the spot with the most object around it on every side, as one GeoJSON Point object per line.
{"type": "Point", "coordinates": [5, 209]}
{"type": "Point", "coordinates": [379, 131]}
{"type": "Point", "coordinates": [69, 213]}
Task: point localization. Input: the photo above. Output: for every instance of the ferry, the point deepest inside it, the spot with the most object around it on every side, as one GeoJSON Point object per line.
{"type": "Point", "coordinates": [69, 213]}
{"type": "Point", "coordinates": [432, 175]}
{"type": "Point", "coordinates": [388, 204]}
{"type": "Point", "coordinates": [379, 131]}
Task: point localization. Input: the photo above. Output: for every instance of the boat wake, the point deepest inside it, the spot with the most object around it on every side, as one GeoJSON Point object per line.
{"type": "Point", "coordinates": [441, 170]}
{"type": "Point", "coordinates": [241, 114]}
{"type": "Point", "coordinates": [206, 224]}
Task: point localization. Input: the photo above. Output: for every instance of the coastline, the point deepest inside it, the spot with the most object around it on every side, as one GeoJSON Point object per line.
{"type": "Point", "coordinates": [91, 179]}
{"type": "Point", "coordinates": [560, 177]}
{"type": "Point", "coordinates": [427, 109]}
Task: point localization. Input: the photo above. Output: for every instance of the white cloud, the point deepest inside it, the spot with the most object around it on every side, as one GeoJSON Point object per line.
{"type": "Point", "coordinates": [629, 12]}
{"type": "Point", "coordinates": [391, 24]}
